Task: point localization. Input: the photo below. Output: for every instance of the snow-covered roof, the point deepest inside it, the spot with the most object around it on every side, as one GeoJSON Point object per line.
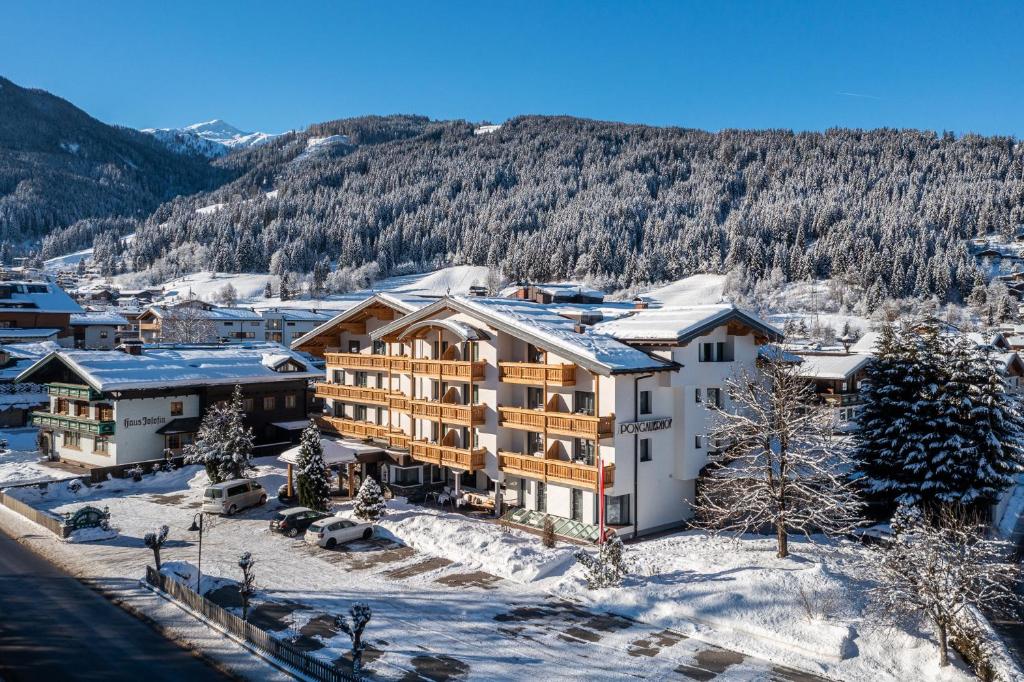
{"type": "Point", "coordinates": [832, 366]}
{"type": "Point", "coordinates": [556, 289]}
{"type": "Point", "coordinates": [865, 345]}
{"type": "Point", "coordinates": [105, 319]}
{"type": "Point", "coordinates": [15, 333]}
{"type": "Point", "coordinates": [773, 352]}
{"type": "Point", "coordinates": [539, 325]}
{"type": "Point", "coordinates": [335, 451]}
{"type": "Point", "coordinates": [401, 303]}
{"type": "Point", "coordinates": [214, 313]}
{"type": "Point", "coordinates": [43, 297]}
{"type": "Point", "coordinates": [681, 324]}
{"type": "Point", "coordinates": [295, 315]}
{"type": "Point", "coordinates": [179, 366]}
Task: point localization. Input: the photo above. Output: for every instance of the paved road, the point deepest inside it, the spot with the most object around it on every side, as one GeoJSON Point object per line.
{"type": "Point", "coordinates": [54, 628]}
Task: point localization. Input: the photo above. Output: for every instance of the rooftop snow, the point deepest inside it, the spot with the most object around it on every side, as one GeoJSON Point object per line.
{"type": "Point", "coordinates": [215, 314]}
{"type": "Point", "coordinates": [678, 324]}
{"type": "Point", "coordinates": [160, 367]}
{"type": "Point", "coordinates": [112, 319]}
{"type": "Point", "coordinates": [832, 366]}
{"type": "Point", "coordinates": [41, 297]}
{"type": "Point", "coordinates": [17, 333]}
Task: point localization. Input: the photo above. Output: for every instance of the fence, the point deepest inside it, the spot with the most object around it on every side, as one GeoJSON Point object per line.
{"type": "Point", "coordinates": [260, 639]}
{"type": "Point", "coordinates": [52, 523]}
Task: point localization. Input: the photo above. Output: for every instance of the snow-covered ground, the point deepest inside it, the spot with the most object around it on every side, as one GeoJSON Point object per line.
{"type": "Point", "coordinates": [21, 462]}
{"type": "Point", "coordinates": [483, 603]}
{"type": "Point", "coordinates": [693, 290]}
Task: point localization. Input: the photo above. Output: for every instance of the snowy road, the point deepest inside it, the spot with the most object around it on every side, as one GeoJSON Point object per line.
{"type": "Point", "coordinates": [55, 628]}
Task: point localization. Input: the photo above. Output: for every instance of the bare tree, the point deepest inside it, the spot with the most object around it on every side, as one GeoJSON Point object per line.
{"type": "Point", "coordinates": [187, 323]}
{"type": "Point", "coordinates": [227, 295]}
{"type": "Point", "coordinates": [155, 540]}
{"type": "Point", "coordinates": [942, 565]}
{"type": "Point", "coordinates": [353, 626]}
{"type": "Point", "coordinates": [778, 465]}
{"type": "Point", "coordinates": [246, 588]}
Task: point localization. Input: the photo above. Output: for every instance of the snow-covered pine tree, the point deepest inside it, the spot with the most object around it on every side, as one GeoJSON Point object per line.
{"type": "Point", "coordinates": [223, 443]}
{"type": "Point", "coordinates": [268, 290]}
{"type": "Point", "coordinates": [313, 481]}
{"type": "Point", "coordinates": [369, 504]}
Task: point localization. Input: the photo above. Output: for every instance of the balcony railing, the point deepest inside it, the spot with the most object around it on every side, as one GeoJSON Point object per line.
{"type": "Point", "coordinates": [447, 456]}
{"type": "Point", "coordinates": [66, 422]}
{"type": "Point", "coordinates": [459, 370]}
{"type": "Point", "coordinates": [554, 470]}
{"type": "Point", "coordinates": [399, 402]}
{"type": "Point", "coordinates": [465, 415]}
{"type": "Point", "coordinates": [842, 399]}
{"type": "Point", "coordinates": [358, 394]}
{"type": "Point", "coordinates": [359, 429]}
{"type": "Point", "coordinates": [537, 373]}
{"type": "Point", "coordinates": [562, 423]}
{"type": "Point", "coordinates": [76, 391]}
{"type": "Point", "coordinates": [358, 360]}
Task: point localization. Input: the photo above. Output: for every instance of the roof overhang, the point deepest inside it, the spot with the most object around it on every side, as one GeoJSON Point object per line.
{"type": "Point", "coordinates": [357, 313]}
{"type": "Point", "coordinates": [736, 318]}
{"type": "Point", "coordinates": [463, 331]}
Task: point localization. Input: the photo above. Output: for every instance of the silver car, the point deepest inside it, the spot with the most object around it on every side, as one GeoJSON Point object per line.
{"type": "Point", "coordinates": [231, 496]}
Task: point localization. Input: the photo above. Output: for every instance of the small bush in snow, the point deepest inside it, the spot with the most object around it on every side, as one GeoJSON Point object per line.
{"type": "Point", "coordinates": [547, 537]}
{"type": "Point", "coordinates": [353, 626]}
{"type": "Point", "coordinates": [369, 504]}
{"type": "Point", "coordinates": [155, 540]}
{"type": "Point", "coordinates": [74, 485]}
{"type": "Point", "coordinates": [608, 567]}
{"type": "Point", "coordinates": [135, 473]}
{"type": "Point", "coordinates": [246, 588]}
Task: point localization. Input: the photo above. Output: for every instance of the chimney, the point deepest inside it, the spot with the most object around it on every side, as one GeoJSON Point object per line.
{"type": "Point", "coordinates": [131, 346]}
{"type": "Point", "coordinates": [579, 328]}
{"type": "Point", "coordinates": [639, 303]}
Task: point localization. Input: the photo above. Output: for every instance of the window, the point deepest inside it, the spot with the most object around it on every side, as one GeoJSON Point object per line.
{"type": "Point", "coordinates": [103, 334]}
{"type": "Point", "coordinates": [534, 354]}
{"type": "Point", "coordinates": [229, 324]}
{"type": "Point", "coordinates": [698, 442]}
{"type": "Point", "coordinates": [714, 396]}
{"type": "Point", "coordinates": [248, 404]}
{"type": "Point", "coordinates": [542, 497]}
{"type": "Point", "coordinates": [73, 440]}
{"type": "Point", "coordinates": [360, 412]}
{"type": "Point", "coordinates": [534, 442]}
{"type": "Point", "coordinates": [616, 510]}
{"type": "Point", "coordinates": [707, 352]}
{"type": "Point", "coordinates": [380, 380]}
{"type": "Point", "coordinates": [270, 403]}
{"type": "Point", "coordinates": [405, 475]}
{"type": "Point", "coordinates": [534, 398]}
{"type": "Point", "coordinates": [717, 351]}
{"type": "Point", "coordinates": [81, 409]}
{"type": "Point", "coordinates": [576, 504]}
{"type": "Point", "coordinates": [696, 396]}
{"type": "Point", "coordinates": [584, 401]}
{"type": "Point", "coordinates": [379, 347]}
{"type": "Point", "coordinates": [645, 402]}
{"type": "Point", "coordinates": [339, 376]}
{"type": "Point", "coordinates": [645, 449]}
{"type": "Point", "coordinates": [353, 346]}
{"type": "Point", "coordinates": [290, 401]}
{"type": "Point", "coordinates": [583, 451]}
{"type": "Point", "coordinates": [101, 445]}
{"type": "Point", "coordinates": [177, 408]}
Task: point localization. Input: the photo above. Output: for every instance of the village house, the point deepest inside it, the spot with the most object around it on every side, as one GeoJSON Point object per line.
{"type": "Point", "coordinates": [98, 330]}
{"type": "Point", "coordinates": [836, 380]}
{"type": "Point", "coordinates": [111, 407]}
{"type": "Point", "coordinates": [502, 401]}
{"type": "Point", "coordinates": [35, 311]}
{"type": "Point", "coordinates": [285, 325]}
{"type": "Point", "coordinates": [221, 325]}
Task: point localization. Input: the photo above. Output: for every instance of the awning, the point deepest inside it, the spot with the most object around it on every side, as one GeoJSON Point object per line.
{"type": "Point", "coordinates": [335, 452]}
{"type": "Point", "coordinates": [183, 425]}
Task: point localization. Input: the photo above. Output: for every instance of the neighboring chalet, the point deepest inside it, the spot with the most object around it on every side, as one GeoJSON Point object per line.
{"type": "Point", "coordinates": [18, 400]}
{"type": "Point", "coordinates": [557, 292]}
{"type": "Point", "coordinates": [836, 379]}
{"type": "Point", "coordinates": [98, 330]}
{"type": "Point", "coordinates": [226, 325]}
{"type": "Point", "coordinates": [111, 407]}
{"type": "Point", "coordinates": [285, 325]}
{"type": "Point", "coordinates": [35, 311]}
{"type": "Point", "coordinates": [504, 401]}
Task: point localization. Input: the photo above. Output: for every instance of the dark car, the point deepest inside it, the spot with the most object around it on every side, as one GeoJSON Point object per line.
{"type": "Point", "coordinates": [293, 522]}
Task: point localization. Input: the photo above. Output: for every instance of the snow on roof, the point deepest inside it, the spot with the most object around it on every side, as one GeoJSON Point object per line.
{"type": "Point", "coordinates": [296, 315]}
{"type": "Point", "coordinates": [679, 324]}
{"type": "Point", "coordinates": [403, 303]}
{"type": "Point", "coordinates": [37, 296]}
{"type": "Point", "coordinates": [104, 318]}
{"type": "Point", "coordinates": [541, 326]}
{"type": "Point", "coordinates": [13, 333]}
{"type": "Point", "coordinates": [335, 452]}
{"type": "Point", "coordinates": [865, 345]}
{"type": "Point", "coordinates": [776, 353]}
{"type": "Point", "coordinates": [832, 366]}
{"type": "Point", "coordinates": [558, 289]}
{"type": "Point", "coordinates": [213, 313]}
{"type": "Point", "coordinates": [163, 366]}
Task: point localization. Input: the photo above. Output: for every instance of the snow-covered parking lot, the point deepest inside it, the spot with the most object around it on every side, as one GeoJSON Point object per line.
{"type": "Point", "coordinates": [456, 597]}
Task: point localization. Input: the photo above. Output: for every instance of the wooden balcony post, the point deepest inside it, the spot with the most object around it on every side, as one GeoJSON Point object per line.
{"type": "Point", "coordinates": [289, 480]}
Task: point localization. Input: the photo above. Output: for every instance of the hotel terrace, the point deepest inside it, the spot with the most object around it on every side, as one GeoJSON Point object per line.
{"type": "Point", "coordinates": [509, 402]}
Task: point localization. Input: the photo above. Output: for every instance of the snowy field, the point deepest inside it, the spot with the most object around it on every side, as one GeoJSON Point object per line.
{"type": "Point", "coordinates": [20, 462]}
{"type": "Point", "coordinates": [459, 597]}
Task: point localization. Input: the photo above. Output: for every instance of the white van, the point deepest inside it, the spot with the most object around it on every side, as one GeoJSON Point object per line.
{"type": "Point", "coordinates": [230, 496]}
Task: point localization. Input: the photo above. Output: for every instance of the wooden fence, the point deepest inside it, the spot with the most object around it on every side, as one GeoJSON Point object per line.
{"type": "Point", "coordinates": [51, 522]}
{"type": "Point", "coordinates": [256, 637]}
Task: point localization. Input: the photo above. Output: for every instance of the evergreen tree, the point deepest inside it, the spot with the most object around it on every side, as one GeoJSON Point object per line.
{"type": "Point", "coordinates": [313, 482]}
{"type": "Point", "coordinates": [369, 504]}
{"type": "Point", "coordinates": [268, 291]}
{"type": "Point", "coordinates": [223, 443]}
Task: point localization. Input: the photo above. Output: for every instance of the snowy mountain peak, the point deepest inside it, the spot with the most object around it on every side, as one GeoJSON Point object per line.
{"type": "Point", "coordinates": [209, 138]}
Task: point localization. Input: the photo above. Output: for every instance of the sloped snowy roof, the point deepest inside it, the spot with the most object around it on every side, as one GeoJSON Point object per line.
{"type": "Point", "coordinates": [15, 333]}
{"type": "Point", "coordinates": [215, 313]}
{"type": "Point", "coordinates": [832, 366]}
{"type": "Point", "coordinates": [107, 318]}
{"type": "Point", "coordinates": [403, 303]}
{"type": "Point", "coordinates": [865, 345]}
{"type": "Point", "coordinates": [163, 366]}
{"type": "Point", "coordinates": [38, 296]}
{"type": "Point", "coordinates": [680, 324]}
{"type": "Point", "coordinates": [538, 324]}
{"type": "Point", "coordinates": [295, 315]}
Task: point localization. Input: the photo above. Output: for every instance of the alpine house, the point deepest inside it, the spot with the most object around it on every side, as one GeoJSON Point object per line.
{"type": "Point", "coordinates": [505, 402]}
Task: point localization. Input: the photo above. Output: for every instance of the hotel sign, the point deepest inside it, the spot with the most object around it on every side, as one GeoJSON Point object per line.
{"type": "Point", "coordinates": [645, 426]}
{"type": "Point", "coordinates": [144, 421]}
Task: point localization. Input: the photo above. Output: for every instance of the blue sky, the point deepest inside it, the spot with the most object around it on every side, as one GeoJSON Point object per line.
{"type": "Point", "coordinates": [274, 66]}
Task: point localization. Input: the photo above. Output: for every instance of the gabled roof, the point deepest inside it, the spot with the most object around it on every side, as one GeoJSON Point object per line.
{"type": "Point", "coordinates": [105, 319]}
{"type": "Point", "coordinates": [539, 325]}
{"type": "Point", "coordinates": [681, 324]}
{"type": "Point", "coordinates": [400, 304]}
{"type": "Point", "coordinates": [213, 313]}
{"type": "Point", "coordinates": [295, 314]}
{"type": "Point", "coordinates": [178, 366]}
{"type": "Point", "coordinates": [836, 367]}
{"type": "Point", "coordinates": [43, 297]}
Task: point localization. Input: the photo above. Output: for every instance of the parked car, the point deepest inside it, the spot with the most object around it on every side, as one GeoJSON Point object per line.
{"type": "Point", "coordinates": [296, 520]}
{"type": "Point", "coordinates": [231, 496]}
{"type": "Point", "coordinates": [333, 530]}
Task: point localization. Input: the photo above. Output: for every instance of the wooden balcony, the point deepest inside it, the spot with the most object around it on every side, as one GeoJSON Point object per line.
{"type": "Point", "coordinates": [358, 361]}
{"type": "Point", "coordinates": [356, 394]}
{"type": "Point", "coordinates": [561, 423]}
{"type": "Point", "coordinates": [76, 391]}
{"type": "Point", "coordinates": [358, 429]}
{"type": "Point", "coordinates": [458, 370]}
{"type": "Point", "coordinates": [399, 402]}
{"type": "Point", "coordinates": [447, 456]}
{"type": "Point", "coordinates": [536, 374]}
{"type": "Point", "coordinates": [554, 470]}
{"type": "Point", "coordinates": [448, 413]}
{"type": "Point", "coordinates": [66, 422]}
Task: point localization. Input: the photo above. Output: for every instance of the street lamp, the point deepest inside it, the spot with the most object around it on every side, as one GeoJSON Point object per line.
{"type": "Point", "coordinates": [193, 528]}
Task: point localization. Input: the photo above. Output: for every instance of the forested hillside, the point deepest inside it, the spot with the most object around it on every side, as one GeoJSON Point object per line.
{"type": "Point", "coordinates": [59, 165]}
{"type": "Point", "coordinates": [545, 198]}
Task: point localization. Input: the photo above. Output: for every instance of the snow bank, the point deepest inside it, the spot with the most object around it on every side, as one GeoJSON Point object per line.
{"type": "Point", "coordinates": [91, 535]}
{"type": "Point", "coordinates": [475, 544]}
{"type": "Point", "coordinates": [55, 495]}
{"type": "Point", "coordinates": [185, 572]}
